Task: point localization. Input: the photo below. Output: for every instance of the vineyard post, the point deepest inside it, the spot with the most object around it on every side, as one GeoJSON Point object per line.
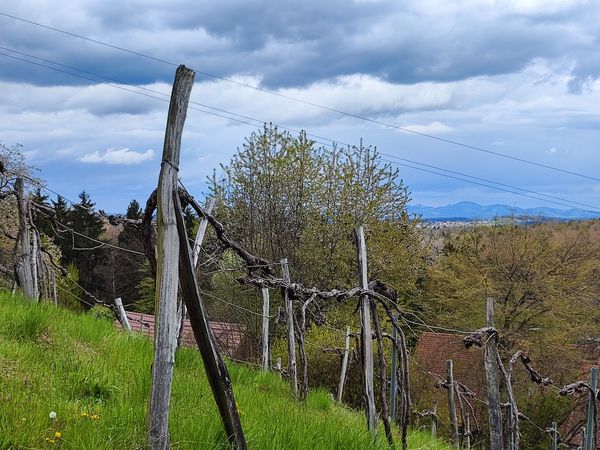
{"type": "Point", "coordinates": [467, 433]}
{"type": "Point", "coordinates": [53, 281]}
{"type": "Point", "coordinates": [340, 392]}
{"type": "Point", "coordinates": [366, 333]}
{"type": "Point", "coordinates": [289, 314]}
{"type": "Point", "coordinates": [394, 375]}
{"type": "Point", "coordinates": [24, 256]}
{"type": "Point", "coordinates": [279, 366]}
{"type": "Point", "coordinates": [590, 435]}
{"type": "Point", "coordinates": [451, 402]}
{"type": "Point", "coordinates": [265, 329]}
{"type": "Point", "coordinates": [196, 256]}
{"type": "Point", "coordinates": [434, 420]}
{"type": "Point", "coordinates": [554, 431]}
{"type": "Point", "coordinates": [122, 315]}
{"type": "Point", "coordinates": [165, 333]}
{"type": "Point", "coordinates": [491, 375]}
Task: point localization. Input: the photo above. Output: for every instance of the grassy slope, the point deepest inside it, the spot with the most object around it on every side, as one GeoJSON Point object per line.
{"type": "Point", "coordinates": [79, 367]}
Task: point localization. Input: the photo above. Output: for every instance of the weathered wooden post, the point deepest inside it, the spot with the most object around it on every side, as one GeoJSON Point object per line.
{"type": "Point", "coordinates": [451, 403]}
{"type": "Point", "coordinates": [195, 256]}
{"type": "Point", "coordinates": [394, 375]}
{"type": "Point", "coordinates": [122, 315]}
{"type": "Point", "coordinates": [215, 368]}
{"type": "Point", "coordinates": [24, 258]}
{"type": "Point", "coordinates": [510, 437]}
{"type": "Point", "coordinates": [289, 314]}
{"type": "Point", "coordinates": [165, 333]}
{"type": "Point", "coordinates": [53, 281]}
{"type": "Point", "coordinates": [491, 375]}
{"type": "Point", "coordinates": [590, 428]}
{"type": "Point", "coordinates": [467, 433]}
{"type": "Point", "coordinates": [554, 431]}
{"type": "Point", "coordinates": [365, 332]}
{"type": "Point", "coordinates": [265, 329]}
{"type": "Point", "coordinates": [278, 366]}
{"type": "Point", "coordinates": [434, 420]}
{"type": "Point", "coordinates": [340, 392]}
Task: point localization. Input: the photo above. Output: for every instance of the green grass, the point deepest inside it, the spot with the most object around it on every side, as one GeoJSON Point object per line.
{"type": "Point", "coordinates": [97, 379]}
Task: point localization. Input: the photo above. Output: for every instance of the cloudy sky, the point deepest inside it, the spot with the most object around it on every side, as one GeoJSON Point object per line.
{"type": "Point", "coordinates": [519, 78]}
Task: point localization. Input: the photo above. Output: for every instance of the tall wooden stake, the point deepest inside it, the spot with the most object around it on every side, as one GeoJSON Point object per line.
{"type": "Point", "coordinates": [467, 433]}
{"type": "Point", "coordinates": [491, 374]}
{"type": "Point", "coordinates": [53, 281]}
{"type": "Point", "coordinates": [24, 258]}
{"type": "Point", "coordinates": [434, 420]}
{"type": "Point", "coordinates": [394, 375]}
{"type": "Point", "coordinates": [165, 333]}
{"type": "Point", "coordinates": [265, 329]}
{"type": "Point", "coordinates": [195, 255]}
{"type": "Point", "coordinates": [451, 402]}
{"type": "Point", "coordinates": [289, 314]}
{"type": "Point", "coordinates": [122, 315]}
{"type": "Point", "coordinates": [340, 392]}
{"type": "Point", "coordinates": [590, 428]}
{"type": "Point", "coordinates": [216, 370]}
{"type": "Point", "coordinates": [365, 333]}
{"type": "Point", "coordinates": [554, 431]}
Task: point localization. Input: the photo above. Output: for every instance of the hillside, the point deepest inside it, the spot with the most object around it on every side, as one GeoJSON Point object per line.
{"type": "Point", "coordinates": [96, 380]}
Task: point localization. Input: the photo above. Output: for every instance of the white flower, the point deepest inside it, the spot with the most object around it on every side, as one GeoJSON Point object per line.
{"type": "Point", "coordinates": [52, 415]}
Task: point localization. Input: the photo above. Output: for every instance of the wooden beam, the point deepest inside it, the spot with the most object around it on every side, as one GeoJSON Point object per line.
{"type": "Point", "coordinates": [289, 314]}
{"type": "Point", "coordinates": [24, 258]}
{"type": "Point", "coordinates": [340, 392]}
{"type": "Point", "coordinates": [215, 368]}
{"type": "Point", "coordinates": [452, 403]}
{"type": "Point", "coordinates": [265, 329]}
{"type": "Point", "coordinates": [122, 315]}
{"type": "Point", "coordinates": [491, 375]}
{"type": "Point", "coordinates": [165, 332]}
{"type": "Point", "coordinates": [366, 344]}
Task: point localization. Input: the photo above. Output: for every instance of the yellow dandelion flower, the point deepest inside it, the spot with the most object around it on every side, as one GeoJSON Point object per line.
{"type": "Point", "coordinates": [84, 414]}
{"type": "Point", "coordinates": [58, 435]}
{"type": "Point", "coordinates": [50, 441]}
{"type": "Point", "coordinates": [94, 417]}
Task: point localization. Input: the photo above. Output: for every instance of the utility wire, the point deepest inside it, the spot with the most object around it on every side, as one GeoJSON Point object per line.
{"type": "Point", "coordinates": [309, 103]}
{"type": "Point", "coordinates": [319, 139]}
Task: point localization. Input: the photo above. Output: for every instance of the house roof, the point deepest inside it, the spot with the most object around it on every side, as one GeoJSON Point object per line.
{"type": "Point", "coordinates": [229, 336]}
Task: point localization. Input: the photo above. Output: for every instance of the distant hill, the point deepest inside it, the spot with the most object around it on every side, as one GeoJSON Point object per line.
{"type": "Point", "coordinates": [467, 211]}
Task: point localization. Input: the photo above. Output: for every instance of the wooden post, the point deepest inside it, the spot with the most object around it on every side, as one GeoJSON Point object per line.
{"type": "Point", "coordinates": [510, 438]}
{"type": "Point", "coordinates": [451, 403]}
{"type": "Point", "coordinates": [23, 255]}
{"type": "Point", "coordinates": [279, 366]}
{"type": "Point", "coordinates": [491, 374]}
{"type": "Point", "coordinates": [554, 431]}
{"type": "Point", "coordinates": [34, 266]}
{"type": "Point", "coordinates": [182, 311]}
{"type": "Point", "coordinates": [201, 232]}
{"type": "Point", "coordinates": [289, 314]}
{"type": "Point", "coordinates": [53, 281]}
{"type": "Point", "coordinates": [216, 370]}
{"type": "Point", "coordinates": [394, 375]}
{"type": "Point", "coordinates": [365, 333]}
{"type": "Point", "coordinates": [122, 315]}
{"type": "Point", "coordinates": [434, 420]}
{"type": "Point", "coordinates": [340, 392]}
{"type": "Point", "coordinates": [265, 329]}
{"type": "Point", "coordinates": [165, 333]}
{"type": "Point", "coordinates": [467, 433]}
{"type": "Point", "coordinates": [590, 434]}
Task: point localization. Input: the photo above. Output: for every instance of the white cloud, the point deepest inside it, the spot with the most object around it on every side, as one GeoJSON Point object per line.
{"type": "Point", "coordinates": [430, 128]}
{"type": "Point", "coordinates": [121, 156]}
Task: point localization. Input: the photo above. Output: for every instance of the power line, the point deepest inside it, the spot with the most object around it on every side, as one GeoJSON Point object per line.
{"type": "Point", "coordinates": [522, 192]}
{"type": "Point", "coordinates": [308, 103]}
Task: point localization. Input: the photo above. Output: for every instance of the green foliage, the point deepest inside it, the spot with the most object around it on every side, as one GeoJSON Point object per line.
{"type": "Point", "coordinates": [97, 379]}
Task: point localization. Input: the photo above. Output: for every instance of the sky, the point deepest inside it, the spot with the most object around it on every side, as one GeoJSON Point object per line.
{"type": "Point", "coordinates": [516, 78]}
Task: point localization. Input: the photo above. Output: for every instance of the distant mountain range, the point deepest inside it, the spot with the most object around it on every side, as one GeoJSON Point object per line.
{"type": "Point", "coordinates": [467, 211]}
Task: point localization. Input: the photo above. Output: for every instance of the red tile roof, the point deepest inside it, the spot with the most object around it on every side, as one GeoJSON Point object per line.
{"type": "Point", "coordinates": [229, 336]}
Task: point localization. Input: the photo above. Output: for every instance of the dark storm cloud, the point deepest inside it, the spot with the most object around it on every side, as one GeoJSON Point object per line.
{"type": "Point", "coordinates": [297, 43]}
